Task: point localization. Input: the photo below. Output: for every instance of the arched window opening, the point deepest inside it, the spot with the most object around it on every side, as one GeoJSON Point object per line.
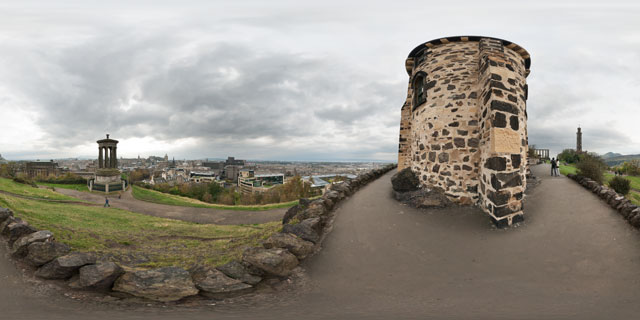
{"type": "Point", "coordinates": [419, 90]}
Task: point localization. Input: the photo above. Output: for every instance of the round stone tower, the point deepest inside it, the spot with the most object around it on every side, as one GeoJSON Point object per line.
{"type": "Point", "coordinates": [463, 127]}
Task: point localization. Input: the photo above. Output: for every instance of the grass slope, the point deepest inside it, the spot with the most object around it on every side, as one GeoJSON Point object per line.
{"type": "Point", "coordinates": [170, 199]}
{"type": "Point", "coordinates": [138, 240]}
{"type": "Point", "coordinates": [77, 187]}
{"type": "Point", "coordinates": [633, 196]}
{"type": "Point", "coordinates": [30, 191]}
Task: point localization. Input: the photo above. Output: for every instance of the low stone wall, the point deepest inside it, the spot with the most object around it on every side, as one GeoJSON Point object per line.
{"type": "Point", "coordinates": [304, 227]}
{"type": "Point", "coordinates": [617, 201]}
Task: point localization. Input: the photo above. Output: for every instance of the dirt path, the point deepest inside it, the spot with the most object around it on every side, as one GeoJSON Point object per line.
{"type": "Point", "coordinates": [192, 214]}
{"type": "Point", "coordinates": [572, 258]}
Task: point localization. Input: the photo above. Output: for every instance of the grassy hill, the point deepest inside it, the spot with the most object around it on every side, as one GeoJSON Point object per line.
{"type": "Point", "coordinates": [616, 160]}
{"type": "Point", "coordinates": [174, 200]}
{"type": "Point", "coordinates": [137, 240]}
{"type": "Point", "coordinates": [26, 190]}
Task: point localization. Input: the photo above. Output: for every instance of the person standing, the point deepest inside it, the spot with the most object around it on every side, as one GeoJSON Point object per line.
{"type": "Point", "coordinates": [106, 202]}
{"type": "Point", "coordinates": [553, 166]}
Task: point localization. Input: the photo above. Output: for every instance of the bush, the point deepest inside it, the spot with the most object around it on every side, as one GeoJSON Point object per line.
{"type": "Point", "coordinates": [569, 156]}
{"type": "Point", "coordinates": [68, 178]}
{"type": "Point", "coordinates": [592, 167]}
{"type": "Point", "coordinates": [24, 179]}
{"type": "Point", "coordinates": [620, 185]}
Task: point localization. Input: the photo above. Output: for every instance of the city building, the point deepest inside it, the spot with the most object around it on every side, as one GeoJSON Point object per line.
{"type": "Point", "coordinates": [41, 169]}
{"type": "Point", "coordinates": [199, 177]}
{"type": "Point", "coordinates": [324, 181]}
{"type": "Point", "coordinates": [249, 182]}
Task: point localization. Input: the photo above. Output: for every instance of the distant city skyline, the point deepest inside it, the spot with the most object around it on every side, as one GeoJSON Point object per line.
{"type": "Point", "coordinates": [286, 80]}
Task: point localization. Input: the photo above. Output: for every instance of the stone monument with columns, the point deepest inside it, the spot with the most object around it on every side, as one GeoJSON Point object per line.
{"type": "Point", "coordinates": [107, 178]}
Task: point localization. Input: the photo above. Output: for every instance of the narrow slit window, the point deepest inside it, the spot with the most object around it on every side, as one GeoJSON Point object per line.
{"type": "Point", "coordinates": [420, 91]}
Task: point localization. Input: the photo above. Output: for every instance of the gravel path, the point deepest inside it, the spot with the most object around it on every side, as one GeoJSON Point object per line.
{"type": "Point", "coordinates": [572, 258]}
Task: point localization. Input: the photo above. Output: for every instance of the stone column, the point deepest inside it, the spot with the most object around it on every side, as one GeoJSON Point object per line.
{"type": "Point", "coordinates": [115, 157]}
{"type": "Point", "coordinates": [106, 157]}
{"type": "Point", "coordinates": [100, 158]}
{"type": "Point", "coordinates": [503, 118]}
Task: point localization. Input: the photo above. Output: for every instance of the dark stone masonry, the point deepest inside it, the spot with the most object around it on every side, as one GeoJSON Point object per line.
{"type": "Point", "coordinates": [463, 124]}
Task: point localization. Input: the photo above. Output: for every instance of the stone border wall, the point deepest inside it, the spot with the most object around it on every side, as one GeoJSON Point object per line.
{"type": "Point", "coordinates": [628, 210]}
{"type": "Point", "coordinates": [304, 228]}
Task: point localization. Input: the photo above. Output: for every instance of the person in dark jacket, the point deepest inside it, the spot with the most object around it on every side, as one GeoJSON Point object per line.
{"type": "Point", "coordinates": [554, 166]}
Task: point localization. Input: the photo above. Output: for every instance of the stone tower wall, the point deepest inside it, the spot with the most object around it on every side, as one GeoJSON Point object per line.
{"type": "Point", "coordinates": [469, 138]}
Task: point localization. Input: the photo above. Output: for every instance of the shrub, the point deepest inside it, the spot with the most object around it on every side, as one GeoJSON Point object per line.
{"type": "Point", "coordinates": [24, 179]}
{"type": "Point", "coordinates": [591, 166]}
{"type": "Point", "coordinates": [620, 185]}
{"type": "Point", "coordinates": [569, 156]}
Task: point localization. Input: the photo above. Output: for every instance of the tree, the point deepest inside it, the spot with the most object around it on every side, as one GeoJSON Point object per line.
{"type": "Point", "coordinates": [531, 152]}
{"type": "Point", "coordinates": [591, 166]}
{"type": "Point", "coordinates": [569, 156]}
{"type": "Point", "coordinates": [632, 167]}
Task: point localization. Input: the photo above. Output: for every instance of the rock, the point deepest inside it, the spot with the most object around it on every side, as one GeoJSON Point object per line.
{"type": "Point", "coordinates": [5, 214]}
{"type": "Point", "coordinates": [3, 226]}
{"type": "Point", "coordinates": [333, 196]}
{"type": "Point", "coordinates": [341, 188]}
{"type": "Point", "coordinates": [40, 253]}
{"type": "Point", "coordinates": [328, 203]}
{"type": "Point", "coordinates": [274, 261]}
{"type": "Point", "coordinates": [216, 285]}
{"type": "Point", "coordinates": [627, 209]}
{"type": "Point", "coordinates": [291, 213]}
{"type": "Point", "coordinates": [304, 202]}
{"type": "Point", "coordinates": [633, 214]}
{"type": "Point", "coordinates": [315, 209]}
{"type": "Point", "coordinates": [20, 247]}
{"type": "Point", "coordinates": [635, 221]}
{"type": "Point", "coordinates": [300, 248]}
{"type": "Point", "coordinates": [236, 270]}
{"type": "Point", "coordinates": [15, 230]}
{"type": "Point", "coordinates": [65, 266]}
{"type": "Point", "coordinates": [405, 180]}
{"type": "Point", "coordinates": [99, 276]}
{"type": "Point", "coordinates": [163, 284]}
{"type": "Point", "coordinates": [307, 229]}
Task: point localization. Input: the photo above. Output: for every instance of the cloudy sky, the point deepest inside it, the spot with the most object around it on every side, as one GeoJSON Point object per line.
{"type": "Point", "coordinates": [291, 80]}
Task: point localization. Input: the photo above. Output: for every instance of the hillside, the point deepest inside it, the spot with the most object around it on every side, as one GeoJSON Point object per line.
{"type": "Point", "coordinates": [616, 160]}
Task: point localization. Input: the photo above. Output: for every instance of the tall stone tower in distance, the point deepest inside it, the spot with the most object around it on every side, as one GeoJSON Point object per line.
{"type": "Point", "coordinates": [463, 127]}
{"type": "Point", "coordinates": [579, 140]}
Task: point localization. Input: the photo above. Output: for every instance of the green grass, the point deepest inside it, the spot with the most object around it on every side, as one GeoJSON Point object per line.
{"type": "Point", "coordinates": [633, 196]}
{"type": "Point", "coordinates": [170, 199]}
{"type": "Point", "coordinates": [564, 170]}
{"type": "Point", "coordinates": [30, 191]}
{"type": "Point", "coordinates": [138, 240]}
{"type": "Point", "coordinates": [77, 187]}
{"type": "Point", "coordinates": [635, 181]}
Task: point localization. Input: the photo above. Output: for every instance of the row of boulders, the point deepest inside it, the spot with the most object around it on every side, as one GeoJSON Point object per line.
{"type": "Point", "coordinates": [617, 201]}
{"type": "Point", "coordinates": [303, 227]}
{"type": "Point", "coordinates": [279, 255]}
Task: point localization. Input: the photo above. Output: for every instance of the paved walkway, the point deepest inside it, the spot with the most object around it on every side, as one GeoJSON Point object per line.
{"type": "Point", "coordinates": [192, 214]}
{"type": "Point", "coordinates": [572, 258]}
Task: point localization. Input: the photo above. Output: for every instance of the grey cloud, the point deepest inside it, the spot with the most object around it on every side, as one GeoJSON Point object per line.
{"type": "Point", "coordinates": [221, 91]}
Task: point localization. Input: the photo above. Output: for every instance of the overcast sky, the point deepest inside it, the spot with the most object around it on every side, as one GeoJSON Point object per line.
{"type": "Point", "coordinates": [292, 80]}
